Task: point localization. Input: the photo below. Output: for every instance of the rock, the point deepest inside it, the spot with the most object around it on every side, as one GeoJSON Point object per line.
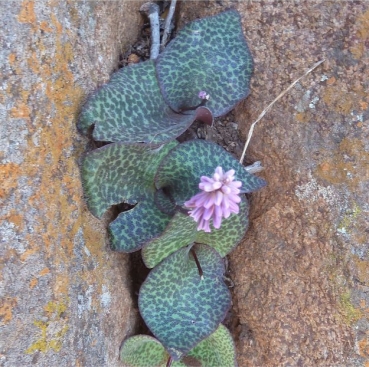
{"type": "Point", "coordinates": [301, 274]}
{"type": "Point", "coordinates": [65, 297]}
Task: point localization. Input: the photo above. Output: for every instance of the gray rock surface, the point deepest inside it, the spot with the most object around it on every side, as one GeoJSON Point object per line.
{"type": "Point", "coordinates": [65, 297]}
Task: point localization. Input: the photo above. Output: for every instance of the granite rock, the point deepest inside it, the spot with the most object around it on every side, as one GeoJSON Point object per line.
{"type": "Point", "coordinates": [65, 297]}
{"type": "Point", "coordinates": [301, 274]}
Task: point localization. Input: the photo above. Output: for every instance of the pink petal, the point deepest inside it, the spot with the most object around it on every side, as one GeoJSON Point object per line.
{"type": "Point", "coordinates": [226, 211]}
{"type": "Point", "coordinates": [234, 198]}
{"type": "Point", "coordinates": [226, 190]}
{"type": "Point", "coordinates": [206, 179]}
{"type": "Point", "coordinates": [210, 201]}
{"type": "Point", "coordinates": [236, 183]}
{"type": "Point", "coordinates": [197, 213]}
{"type": "Point", "coordinates": [207, 226]}
{"type": "Point", "coordinates": [201, 198]}
{"type": "Point", "coordinates": [218, 172]}
{"type": "Point", "coordinates": [233, 207]}
{"type": "Point", "coordinates": [218, 198]}
{"type": "Point", "coordinates": [217, 185]}
{"type": "Point", "coordinates": [217, 219]}
{"type": "Point", "coordinates": [230, 173]}
{"type": "Point", "coordinates": [208, 213]}
{"type": "Point", "coordinates": [208, 187]}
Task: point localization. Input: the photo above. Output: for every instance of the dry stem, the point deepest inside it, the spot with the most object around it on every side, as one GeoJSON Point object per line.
{"type": "Point", "coordinates": [168, 22]}
{"type": "Point", "coordinates": [271, 104]}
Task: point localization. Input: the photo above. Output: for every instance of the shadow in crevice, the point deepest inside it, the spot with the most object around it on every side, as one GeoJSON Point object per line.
{"type": "Point", "coordinates": [138, 273]}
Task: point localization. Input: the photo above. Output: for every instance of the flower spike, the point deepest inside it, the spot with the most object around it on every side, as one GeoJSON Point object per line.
{"type": "Point", "coordinates": [217, 200]}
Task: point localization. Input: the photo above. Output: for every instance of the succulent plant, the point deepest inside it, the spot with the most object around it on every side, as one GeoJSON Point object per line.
{"type": "Point", "coordinates": [188, 208]}
{"type": "Point", "coordinates": [159, 180]}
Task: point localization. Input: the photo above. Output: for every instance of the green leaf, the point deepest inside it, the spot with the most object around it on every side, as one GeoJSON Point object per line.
{"type": "Point", "coordinates": [217, 350]}
{"type": "Point", "coordinates": [209, 54]}
{"type": "Point", "coordinates": [180, 171]}
{"type": "Point", "coordinates": [230, 233]}
{"type": "Point", "coordinates": [180, 307]}
{"type": "Point", "coordinates": [143, 351]}
{"type": "Point", "coordinates": [130, 108]}
{"type": "Point", "coordinates": [119, 173]}
{"type": "Point", "coordinates": [182, 231]}
{"type": "Point", "coordinates": [133, 228]}
{"type": "Point", "coordinates": [164, 202]}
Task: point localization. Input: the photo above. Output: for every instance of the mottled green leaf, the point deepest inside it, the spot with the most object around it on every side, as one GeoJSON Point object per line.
{"type": "Point", "coordinates": [130, 108]}
{"type": "Point", "coordinates": [164, 202]}
{"type": "Point", "coordinates": [143, 351]}
{"type": "Point", "coordinates": [217, 350]}
{"type": "Point", "coordinates": [211, 55]}
{"type": "Point", "coordinates": [119, 173]}
{"type": "Point", "coordinates": [180, 307]}
{"type": "Point", "coordinates": [230, 233]}
{"type": "Point", "coordinates": [180, 171]}
{"type": "Point", "coordinates": [182, 231]}
{"type": "Point", "coordinates": [133, 228]}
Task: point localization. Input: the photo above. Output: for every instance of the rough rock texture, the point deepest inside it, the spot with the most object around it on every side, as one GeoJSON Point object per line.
{"type": "Point", "coordinates": [302, 273]}
{"type": "Point", "coordinates": [65, 297]}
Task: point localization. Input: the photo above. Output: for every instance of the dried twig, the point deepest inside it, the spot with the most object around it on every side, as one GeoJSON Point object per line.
{"type": "Point", "coordinates": [271, 104]}
{"type": "Point", "coordinates": [168, 22]}
{"type": "Point", "coordinates": [152, 12]}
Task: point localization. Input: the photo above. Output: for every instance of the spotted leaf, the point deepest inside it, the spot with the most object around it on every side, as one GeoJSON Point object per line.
{"type": "Point", "coordinates": [135, 227]}
{"type": "Point", "coordinates": [180, 307]}
{"type": "Point", "coordinates": [180, 171]}
{"type": "Point", "coordinates": [214, 351]}
{"type": "Point", "coordinates": [182, 231]}
{"type": "Point", "coordinates": [119, 173]}
{"type": "Point", "coordinates": [130, 108]}
{"type": "Point", "coordinates": [211, 55]}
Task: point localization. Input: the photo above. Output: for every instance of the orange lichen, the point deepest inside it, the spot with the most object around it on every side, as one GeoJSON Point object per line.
{"type": "Point", "coordinates": [340, 170]}
{"type": "Point", "coordinates": [44, 271]}
{"type": "Point", "coordinates": [362, 36]}
{"type": "Point", "coordinates": [27, 13]}
{"type": "Point", "coordinates": [363, 105]}
{"type": "Point", "coordinates": [364, 347]}
{"type": "Point", "coordinates": [341, 101]}
{"type": "Point", "coordinates": [21, 111]}
{"type": "Point", "coordinates": [45, 27]}
{"type": "Point", "coordinates": [8, 173]}
{"type": "Point", "coordinates": [362, 268]}
{"type": "Point", "coordinates": [14, 217]}
{"type": "Point", "coordinates": [11, 58]}
{"type": "Point", "coordinates": [56, 186]}
{"type": "Point", "coordinates": [302, 117]}
{"type": "Point", "coordinates": [33, 282]}
{"type": "Point", "coordinates": [61, 284]}
{"type": "Point", "coordinates": [6, 309]}
{"type": "Point", "coordinates": [331, 80]}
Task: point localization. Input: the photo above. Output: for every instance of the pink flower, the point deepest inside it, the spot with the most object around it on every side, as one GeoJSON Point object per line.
{"type": "Point", "coordinates": [203, 95]}
{"type": "Point", "coordinates": [219, 198]}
